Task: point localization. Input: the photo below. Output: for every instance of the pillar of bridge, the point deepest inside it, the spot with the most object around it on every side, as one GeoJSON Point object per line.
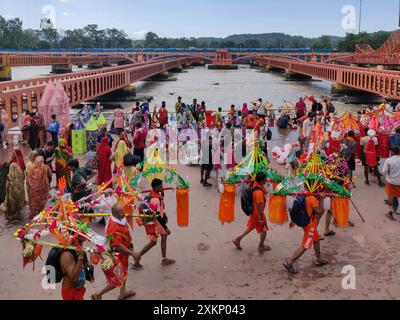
{"type": "Point", "coordinates": [177, 69]}
{"type": "Point", "coordinates": [163, 76]}
{"type": "Point", "coordinates": [198, 64]}
{"type": "Point", "coordinates": [354, 95]}
{"type": "Point", "coordinates": [293, 76]}
{"type": "Point", "coordinates": [123, 63]}
{"type": "Point", "coordinates": [121, 95]}
{"type": "Point", "coordinates": [271, 69]}
{"type": "Point", "coordinates": [95, 65]}
{"type": "Point", "coordinates": [5, 74]}
{"type": "Point", "coordinates": [61, 68]}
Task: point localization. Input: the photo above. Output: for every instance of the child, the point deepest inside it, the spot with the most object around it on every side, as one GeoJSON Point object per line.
{"type": "Point", "coordinates": [92, 159]}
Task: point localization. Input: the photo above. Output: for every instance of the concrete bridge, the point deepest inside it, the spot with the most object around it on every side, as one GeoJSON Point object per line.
{"type": "Point", "coordinates": [341, 69]}
{"type": "Point", "coordinates": [19, 96]}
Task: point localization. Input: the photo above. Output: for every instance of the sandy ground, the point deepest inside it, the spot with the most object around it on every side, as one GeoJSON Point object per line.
{"type": "Point", "coordinates": [209, 267]}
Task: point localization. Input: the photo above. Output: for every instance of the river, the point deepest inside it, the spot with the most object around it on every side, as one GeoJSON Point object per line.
{"type": "Point", "coordinates": [218, 88]}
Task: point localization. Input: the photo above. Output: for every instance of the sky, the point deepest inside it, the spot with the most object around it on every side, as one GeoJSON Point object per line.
{"type": "Point", "coordinates": [217, 18]}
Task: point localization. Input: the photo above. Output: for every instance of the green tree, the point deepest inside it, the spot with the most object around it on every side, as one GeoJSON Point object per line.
{"type": "Point", "coordinates": [323, 42]}
{"type": "Point", "coordinates": [252, 43]}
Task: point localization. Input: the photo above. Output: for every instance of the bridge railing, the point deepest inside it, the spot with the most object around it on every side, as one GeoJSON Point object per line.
{"type": "Point", "coordinates": [84, 88]}
{"type": "Point", "coordinates": [382, 82]}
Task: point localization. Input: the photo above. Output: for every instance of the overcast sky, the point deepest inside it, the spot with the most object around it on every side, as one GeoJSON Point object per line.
{"type": "Point", "coordinates": [219, 18]}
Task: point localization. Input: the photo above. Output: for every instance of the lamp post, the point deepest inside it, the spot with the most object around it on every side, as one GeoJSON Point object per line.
{"type": "Point", "coordinates": [359, 18]}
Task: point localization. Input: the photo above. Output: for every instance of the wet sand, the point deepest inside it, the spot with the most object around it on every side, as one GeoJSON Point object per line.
{"type": "Point", "coordinates": [209, 267]}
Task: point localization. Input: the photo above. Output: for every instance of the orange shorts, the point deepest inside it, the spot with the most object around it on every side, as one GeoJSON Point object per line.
{"type": "Point", "coordinates": [310, 235]}
{"type": "Point", "coordinates": [73, 293]}
{"type": "Point", "coordinates": [254, 223]}
{"type": "Point", "coordinates": [155, 231]}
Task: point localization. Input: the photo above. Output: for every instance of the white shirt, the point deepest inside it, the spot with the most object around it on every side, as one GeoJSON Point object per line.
{"type": "Point", "coordinates": [308, 126]}
{"type": "Point", "coordinates": [392, 170]}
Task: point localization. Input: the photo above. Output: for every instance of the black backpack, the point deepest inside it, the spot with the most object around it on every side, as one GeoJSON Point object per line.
{"type": "Point", "coordinates": [247, 198]}
{"type": "Point", "coordinates": [331, 108]}
{"type": "Point", "coordinates": [269, 134]}
{"type": "Point", "coordinates": [319, 106]}
{"type": "Point", "coordinates": [299, 214]}
{"type": "Point", "coordinates": [131, 160]}
{"type": "Point", "coordinates": [53, 261]}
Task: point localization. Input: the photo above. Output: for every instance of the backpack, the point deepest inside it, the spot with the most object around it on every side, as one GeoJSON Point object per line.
{"type": "Point", "coordinates": [53, 261]}
{"type": "Point", "coordinates": [394, 141]}
{"type": "Point", "coordinates": [298, 213]}
{"type": "Point", "coordinates": [331, 108]}
{"type": "Point", "coordinates": [131, 160]}
{"type": "Point", "coordinates": [269, 134]}
{"type": "Point", "coordinates": [247, 198]}
{"type": "Point", "coordinates": [319, 107]}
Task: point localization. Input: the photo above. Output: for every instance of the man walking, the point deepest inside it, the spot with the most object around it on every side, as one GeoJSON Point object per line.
{"type": "Point", "coordinates": [53, 128]}
{"type": "Point", "coordinates": [391, 170]}
{"type": "Point", "coordinates": [257, 220]}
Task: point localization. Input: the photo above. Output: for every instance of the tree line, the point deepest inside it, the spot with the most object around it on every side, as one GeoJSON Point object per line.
{"type": "Point", "coordinates": [14, 36]}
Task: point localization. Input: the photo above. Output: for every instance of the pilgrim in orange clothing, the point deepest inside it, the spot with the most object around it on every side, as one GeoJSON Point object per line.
{"type": "Point", "coordinates": [120, 232]}
{"type": "Point", "coordinates": [257, 220]}
{"type": "Point", "coordinates": [311, 236]}
{"type": "Point", "coordinates": [259, 197]}
{"type": "Point", "coordinates": [158, 227]}
{"type": "Point", "coordinates": [311, 232]}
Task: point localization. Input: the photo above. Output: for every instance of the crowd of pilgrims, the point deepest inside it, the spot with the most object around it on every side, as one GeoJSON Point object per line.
{"type": "Point", "coordinates": [51, 149]}
{"type": "Point", "coordinates": [124, 145]}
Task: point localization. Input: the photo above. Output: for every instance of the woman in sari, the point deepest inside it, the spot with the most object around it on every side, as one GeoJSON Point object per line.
{"type": "Point", "coordinates": [124, 137]}
{"type": "Point", "coordinates": [31, 163]}
{"type": "Point", "coordinates": [63, 156]}
{"type": "Point", "coordinates": [39, 187]}
{"type": "Point", "coordinates": [120, 153]}
{"type": "Point", "coordinates": [15, 194]}
{"type": "Point", "coordinates": [3, 181]}
{"type": "Point", "coordinates": [104, 153]}
{"type": "Point", "coordinates": [18, 159]}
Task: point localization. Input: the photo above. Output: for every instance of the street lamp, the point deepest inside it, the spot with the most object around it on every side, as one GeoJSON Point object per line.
{"type": "Point", "coordinates": [359, 19]}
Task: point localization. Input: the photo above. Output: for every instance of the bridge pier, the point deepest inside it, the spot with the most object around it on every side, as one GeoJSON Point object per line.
{"type": "Point", "coordinates": [61, 68]}
{"type": "Point", "coordinates": [267, 68]}
{"type": "Point", "coordinates": [124, 63]}
{"type": "Point", "coordinates": [292, 76]}
{"type": "Point", "coordinates": [198, 64]}
{"type": "Point", "coordinates": [121, 95]}
{"type": "Point", "coordinates": [177, 69]}
{"type": "Point", "coordinates": [163, 76]}
{"type": "Point", "coordinates": [351, 95]}
{"type": "Point", "coordinates": [5, 74]}
{"type": "Point", "coordinates": [95, 65]}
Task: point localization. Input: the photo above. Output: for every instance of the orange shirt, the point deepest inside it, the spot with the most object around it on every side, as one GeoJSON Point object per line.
{"type": "Point", "coordinates": [259, 196]}
{"type": "Point", "coordinates": [26, 120]}
{"type": "Point", "coordinates": [251, 121]}
{"type": "Point", "coordinates": [121, 234]}
{"type": "Point", "coordinates": [311, 204]}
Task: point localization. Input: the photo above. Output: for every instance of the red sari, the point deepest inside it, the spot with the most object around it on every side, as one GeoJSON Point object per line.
{"type": "Point", "coordinates": [18, 158]}
{"type": "Point", "coordinates": [104, 153]}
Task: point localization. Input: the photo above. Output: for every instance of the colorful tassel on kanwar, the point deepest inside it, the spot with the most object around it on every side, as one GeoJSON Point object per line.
{"type": "Point", "coordinates": [227, 204]}
{"type": "Point", "coordinates": [341, 211]}
{"type": "Point", "coordinates": [182, 207]}
{"type": "Point", "coordinates": [277, 209]}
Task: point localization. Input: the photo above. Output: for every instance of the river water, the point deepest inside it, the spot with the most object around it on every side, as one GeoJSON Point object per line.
{"type": "Point", "coordinates": [219, 88]}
